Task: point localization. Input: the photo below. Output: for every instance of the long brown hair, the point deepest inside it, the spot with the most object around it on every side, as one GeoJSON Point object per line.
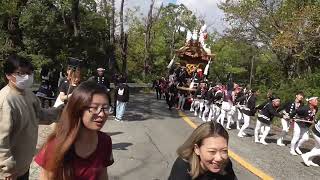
{"type": "Point", "coordinates": [74, 75]}
{"type": "Point", "coordinates": [186, 150]}
{"type": "Point", "coordinates": [59, 163]}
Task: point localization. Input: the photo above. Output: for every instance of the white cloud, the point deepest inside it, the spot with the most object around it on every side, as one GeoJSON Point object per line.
{"type": "Point", "coordinates": [202, 8]}
{"type": "Point", "coordinates": [209, 10]}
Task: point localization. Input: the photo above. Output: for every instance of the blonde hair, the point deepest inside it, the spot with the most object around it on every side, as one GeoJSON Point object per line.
{"type": "Point", "coordinates": [186, 150]}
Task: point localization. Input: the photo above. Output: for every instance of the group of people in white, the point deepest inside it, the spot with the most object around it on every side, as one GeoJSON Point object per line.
{"type": "Point", "coordinates": [238, 105]}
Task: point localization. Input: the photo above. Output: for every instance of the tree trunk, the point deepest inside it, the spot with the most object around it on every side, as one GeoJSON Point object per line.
{"type": "Point", "coordinates": [123, 41]}
{"type": "Point", "coordinates": [124, 52]}
{"type": "Point", "coordinates": [113, 22]}
{"type": "Point", "coordinates": [107, 42]}
{"type": "Point", "coordinates": [75, 18]}
{"type": "Point", "coordinates": [15, 37]}
{"type": "Point", "coordinates": [173, 37]}
{"type": "Point", "coordinates": [147, 39]}
{"type": "Point", "coordinates": [112, 59]}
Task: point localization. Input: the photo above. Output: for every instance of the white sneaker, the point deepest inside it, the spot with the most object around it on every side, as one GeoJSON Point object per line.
{"type": "Point", "coordinates": [293, 152]}
{"type": "Point", "coordinates": [204, 120]}
{"type": "Point", "coordinates": [117, 119]}
{"type": "Point", "coordinates": [256, 141]}
{"type": "Point", "coordinates": [191, 110]}
{"type": "Point", "coordinates": [298, 151]}
{"type": "Point", "coordinates": [244, 134]}
{"type": "Point", "coordinates": [263, 142]}
{"type": "Point", "coordinates": [279, 143]}
{"type": "Point", "coordinates": [238, 128]}
{"type": "Point", "coordinates": [305, 160]}
{"type": "Point", "coordinates": [228, 128]}
{"type": "Point", "coordinates": [313, 164]}
{"type": "Point", "coordinates": [240, 135]}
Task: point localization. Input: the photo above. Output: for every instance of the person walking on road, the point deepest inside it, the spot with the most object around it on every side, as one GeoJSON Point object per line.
{"type": "Point", "coordinates": [204, 155]}
{"type": "Point", "coordinates": [20, 114]}
{"type": "Point", "coordinates": [304, 118]}
{"type": "Point", "coordinates": [316, 150]}
{"type": "Point", "coordinates": [77, 149]}
{"type": "Point", "coordinates": [265, 117]}
{"type": "Point", "coordinates": [122, 99]}
{"type": "Point", "coordinates": [248, 111]}
{"type": "Point", "coordinates": [288, 109]}
{"type": "Point", "coordinates": [103, 81]}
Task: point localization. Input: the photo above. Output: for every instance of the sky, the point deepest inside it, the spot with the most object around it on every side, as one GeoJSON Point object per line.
{"type": "Point", "coordinates": [203, 8]}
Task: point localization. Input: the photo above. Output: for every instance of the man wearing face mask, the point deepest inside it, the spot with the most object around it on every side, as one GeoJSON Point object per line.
{"type": "Point", "coordinates": [20, 114]}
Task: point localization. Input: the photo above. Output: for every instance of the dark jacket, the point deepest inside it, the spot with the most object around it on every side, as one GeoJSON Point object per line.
{"type": "Point", "coordinates": [180, 171]}
{"type": "Point", "coordinates": [250, 108]}
{"type": "Point", "coordinates": [290, 108]}
{"type": "Point", "coordinates": [305, 113]}
{"type": "Point", "coordinates": [122, 93]}
{"type": "Point", "coordinates": [101, 80]}
{"type": "Point", "coordinates": [267, 113]}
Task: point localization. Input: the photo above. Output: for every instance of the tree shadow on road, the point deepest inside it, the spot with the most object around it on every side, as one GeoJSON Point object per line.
{"type": "Point", "coordinates": [133, 116]}
{"type": "Point", "coordinates": [121, 146]}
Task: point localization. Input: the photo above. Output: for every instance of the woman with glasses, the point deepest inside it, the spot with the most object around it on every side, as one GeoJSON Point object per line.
{"type": "Point", "coordinates": [204, 155]}
{"type": "Point", "coordinates": [77, 149]}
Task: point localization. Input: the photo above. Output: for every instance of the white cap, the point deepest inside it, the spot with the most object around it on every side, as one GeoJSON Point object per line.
{"type": "Point", "coordinates": [100, 69]}
{"type": "Point", "coordinates": [312, 98]}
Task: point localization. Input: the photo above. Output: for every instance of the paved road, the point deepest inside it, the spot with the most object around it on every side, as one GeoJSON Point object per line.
{"type": "Point", "coordinates": [144, 146]}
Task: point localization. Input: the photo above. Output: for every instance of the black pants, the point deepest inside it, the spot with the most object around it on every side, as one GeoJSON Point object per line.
{"type": "Point", "coordinates": [170, 100]}
{"type": "Point", "coordinates": [158, 92]}
{"type": "Point", "coordinates": [24, 177]}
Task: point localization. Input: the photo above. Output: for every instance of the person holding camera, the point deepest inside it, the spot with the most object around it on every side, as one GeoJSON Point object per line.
{"type": "Point", "coordinates": [70, 82]}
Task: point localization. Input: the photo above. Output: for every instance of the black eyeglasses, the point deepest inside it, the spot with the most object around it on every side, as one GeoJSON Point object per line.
{"type": "Point", "coordinates": [97, 109]}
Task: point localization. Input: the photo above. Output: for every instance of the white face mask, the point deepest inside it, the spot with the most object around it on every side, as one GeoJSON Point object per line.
{"type": "Point", "coordinates": [24, 82]}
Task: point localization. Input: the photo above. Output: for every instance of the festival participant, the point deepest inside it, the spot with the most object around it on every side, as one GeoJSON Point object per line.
{"type": "Point", "coordinates": [102, 80]}
{"type": "Point", "coordinates": [212, 100]}
{"type": "Point", "coordinates": [182, 94]}
{"type": "Point", "coordinates": [171, 93]}
{"type": "Point", "coordinates": [248, 111]}
{"type": "Point", "coordinates": [77, 149]}
{"type": "Point", "coordinates": [209, 98]}
{"type": "Point", "coordinates": [269, 99]}
{"type": "Point", "coordinates": [156, 87]}
{"type": "Point", "coordinates": [218, 99]}
{"type": "Point", "coordinates": [288, 109]}
{"type": "Point", "coordinates": [20, 114]}
{"type": "Point", "coordinates": [240, 101]}
{"type": "Point", "coordinates": [204, 155]}
{"type": "Point", "coordinates": [196, 101]}
{"type": "Point", "coordinates": [304, 117]}
{"type": "Point", "coordinates": [307, 157]}
{"type": "Point", "coordinates": [265, 117]}
{"type": "Point", "coordinates": [226, 108]}
{"type": "Point", "coordinates": [234, 109]}
{"type": "Point", "coordinates": [201, 97]}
